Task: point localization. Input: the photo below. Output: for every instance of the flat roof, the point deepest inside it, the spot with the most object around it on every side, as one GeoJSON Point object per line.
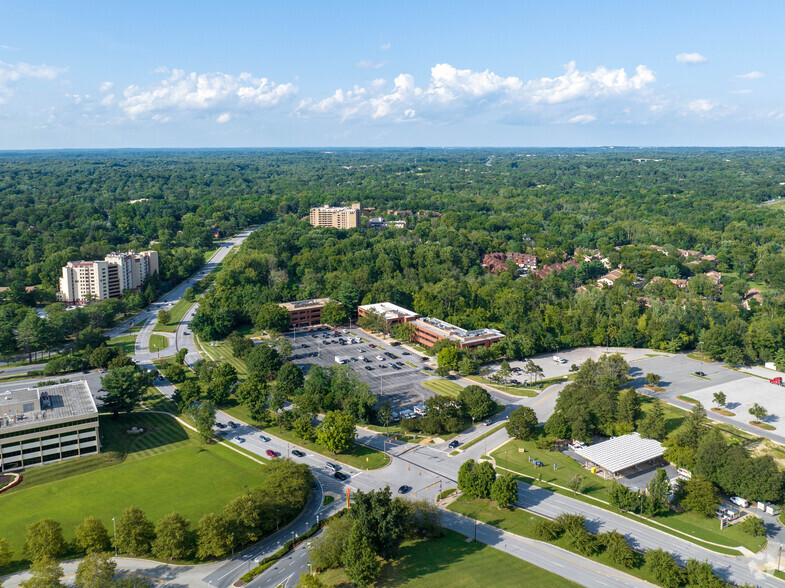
{"type": "Point", "coordinates": [389, 310]}
{"type": "Point", "coordinates": [302, 304]}
{"type": "Point", "coordinates": [70, 400]}
{"type": "Point", "coordinates": [619, 453]}
{"type": "Point", "coordinates": [451, 331]}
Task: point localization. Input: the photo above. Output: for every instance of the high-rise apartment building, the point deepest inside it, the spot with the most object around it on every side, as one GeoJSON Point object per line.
{"type": "Point", "coordinates": [96, 280]}
{"type": "Point", "coordinates": [341, 217]}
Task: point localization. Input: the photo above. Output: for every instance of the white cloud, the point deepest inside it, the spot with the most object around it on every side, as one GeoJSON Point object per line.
{"type": "Point", "coordinates": [183, 91]}
{"type": "Point", "coordinates": [368, 64]}
{"type": "Point", "coordinates": [702, 106]}
{"type": "Point", "coordinates": [11, 73]}
{"type": "Point", "coordinates": [575, 84]}
{"type": "Point", "coordinates": [691, 58]}
{"type": "Point", "coordinates": [8, 48]}
{"type": "Point", "coordinates": [745, 91]}
{"type": "Point", "coordinates": [385, 46]}
{"type": "Point", "coordinates": [753, 75]}
{"type": "Point", "coordinates": [582, 119]}
{"type": "Point", "coordinates": [223, 118]}
{"type": "Point", "coordinates": [454, 93]}
{"type": "Point", "coordinates": [106, 86]}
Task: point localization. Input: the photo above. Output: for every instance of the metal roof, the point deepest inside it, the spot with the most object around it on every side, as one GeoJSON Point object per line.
{"type": "Point", "coordinates": [619, 453]}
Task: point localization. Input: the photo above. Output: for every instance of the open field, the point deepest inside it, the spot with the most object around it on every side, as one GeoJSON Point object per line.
{"type": "Point", "coordinates": [124, 342]}
{"type": "Point", "coordinates": [451, 561]}
{"type": "Point", "coordinates": [162, 470]}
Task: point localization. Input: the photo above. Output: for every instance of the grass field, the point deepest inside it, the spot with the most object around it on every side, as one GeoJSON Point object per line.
{"type": "Point", "coordinates": [158, 342]}
{"type": "Point", "coordinates": [594, 486]}
{"type": "Point", "coordinates": [452, 562]}
{"type": "Point", "coordinates": [444, 387]}
{"type": "Point", "coordinates": [163, 470]}
{"type": "Point", "coordinates": [175, 316]}
{"type": "Point", "coordinates": [124, 342]}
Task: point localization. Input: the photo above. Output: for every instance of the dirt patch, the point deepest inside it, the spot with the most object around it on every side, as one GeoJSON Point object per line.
{"type": "Point", "coordinates": [767, 447]}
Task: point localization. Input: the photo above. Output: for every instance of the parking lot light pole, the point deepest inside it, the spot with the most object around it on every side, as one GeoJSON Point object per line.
{"type": "Point", "coordinates": [114, 536]}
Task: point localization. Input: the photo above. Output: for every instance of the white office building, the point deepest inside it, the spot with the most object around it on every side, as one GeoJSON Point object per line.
{"type": "Point", "coordinates": [45, 425]}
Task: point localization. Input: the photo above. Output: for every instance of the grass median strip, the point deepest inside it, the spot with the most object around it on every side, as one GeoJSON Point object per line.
{"type": "Point", "coordinates": [359, 456]}
{"type": "Point", "coordinates": [158, 342]}
{"type": "Point", "coordinates": [126, 343]}
{"type": "Point", "coordinates": [483, 436]}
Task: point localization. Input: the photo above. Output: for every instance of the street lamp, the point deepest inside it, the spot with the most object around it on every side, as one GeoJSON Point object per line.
{"type": "Point", "coordinates": [114, 536]}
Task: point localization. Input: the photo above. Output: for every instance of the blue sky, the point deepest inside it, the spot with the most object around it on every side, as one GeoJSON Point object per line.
{"type": "Point", "coordinates": [257, 74]}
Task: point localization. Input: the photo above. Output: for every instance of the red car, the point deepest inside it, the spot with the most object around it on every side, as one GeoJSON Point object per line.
{"type": "Point", "coordinates": [271, 453]}
{"type": "Point", "coordinates": [371, 345]}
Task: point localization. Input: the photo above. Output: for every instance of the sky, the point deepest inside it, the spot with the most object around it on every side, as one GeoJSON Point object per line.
{"type": "Point", "coordinates": [89, 74]}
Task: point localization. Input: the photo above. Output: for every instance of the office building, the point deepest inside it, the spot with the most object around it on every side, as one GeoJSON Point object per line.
{"type": "Point", "coordinates": [342, 217]}
{"type": "Point", "coordinates": [430, 330]}
{"type": "Point", "coordinates": [304, 313]}
{"type": "Point", "coordinates": [83, 281]}
{"type": "Point", "coordinates": [47, 424]}
{"type": "Point", "coordinates": [392, 313]}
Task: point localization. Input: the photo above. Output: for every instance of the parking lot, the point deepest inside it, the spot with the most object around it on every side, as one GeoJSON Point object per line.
{"type": "Point", "coordinates": [400, 385]}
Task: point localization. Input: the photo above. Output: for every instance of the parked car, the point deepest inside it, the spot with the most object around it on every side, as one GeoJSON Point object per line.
{"type": "Point", "coordinates": [220, 425]}
{"type": "Point", "coordinates": [379, 358]}
{"type": "Point", "coordinates": [454, 443]}
{"type": "Point", "coordinates": [404, 489]}
{"type": "Point", "coordinates": [340, 476]}
{"type": "Point", "coordinates": [232, 424]}
{"type": "Point", "coordinates": [405, 353]}
{"type": "Point", "coordinates": [298, 453]}
{"type": "Point", "coordinates": [271, 453]}
{"type": "Point", "coordinates": [239, 439]}
{"type": "Point", "coordinates": [369, 368]}
{"type": "Point", "coordinates": [371, 345]}
{"type": "Point", "coordinates": [701, 374]}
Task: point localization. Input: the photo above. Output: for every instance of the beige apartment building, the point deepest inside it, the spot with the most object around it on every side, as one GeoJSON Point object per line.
{"type": "Point", "coordinates": [47, 424]}
{"type": "Point", "coordinates": [338, 217]}
{"type": "Point", "coordinates": [304, 313]}
{"type": "Point", "coordinates": [83, 281]}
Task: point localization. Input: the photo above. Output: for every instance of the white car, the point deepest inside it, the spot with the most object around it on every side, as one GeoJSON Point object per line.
{"type": "Point", "coordinates": [380, 358]}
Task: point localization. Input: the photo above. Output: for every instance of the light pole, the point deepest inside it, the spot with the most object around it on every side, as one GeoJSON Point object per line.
{"type": "Point", "coordinates": [114, 536]}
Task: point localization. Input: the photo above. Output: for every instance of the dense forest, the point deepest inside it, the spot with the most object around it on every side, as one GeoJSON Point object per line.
{"type": "Point", "coordinates": [464, 203]}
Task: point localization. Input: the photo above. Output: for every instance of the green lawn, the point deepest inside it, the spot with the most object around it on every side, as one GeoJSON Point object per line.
{"type": "Point", "coordinates": [359, 456]}
{"type": "Point", "coordinates": [516, 390]}
{"type": "Point", "coordinates": [444, 387]}
{"type": "Point", "coordinates": [158, 342]}
{"type": "Point", "coordinates": [163, 470]}
{"type": "Point", "coordinates": [175, 316]}
{"type": "Point", "coordinates": [222, 351]}
{"type": "Point", "coordinates": [452, 562]}
{"type": "Point", "coordinates": [124, 342]}
{"type": "Point", "coordinates": [594, 486]}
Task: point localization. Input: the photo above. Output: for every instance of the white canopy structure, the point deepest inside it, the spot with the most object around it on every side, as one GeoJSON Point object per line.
{"type": "Point", "coordinates": [621, 453]}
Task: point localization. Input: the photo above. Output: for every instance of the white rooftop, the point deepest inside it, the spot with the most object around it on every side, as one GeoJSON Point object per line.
{"type": "Point", "coordinates": [619, 453]}
{"type": "Point", "coordinates": [388, 310]}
